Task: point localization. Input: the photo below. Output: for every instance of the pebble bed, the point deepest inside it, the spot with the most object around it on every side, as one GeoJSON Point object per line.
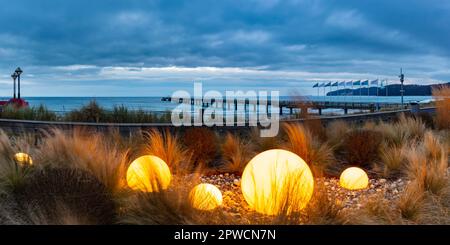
{"type": "Point", "coordinates": [234, 203]}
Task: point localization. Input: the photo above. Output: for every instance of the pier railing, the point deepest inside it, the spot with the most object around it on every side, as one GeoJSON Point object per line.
{"type": "Point", "coordinates": [294, 106]}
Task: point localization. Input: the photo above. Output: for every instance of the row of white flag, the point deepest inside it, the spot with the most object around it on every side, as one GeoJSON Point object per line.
{"type": "Point", "coordinates": [374, 83]}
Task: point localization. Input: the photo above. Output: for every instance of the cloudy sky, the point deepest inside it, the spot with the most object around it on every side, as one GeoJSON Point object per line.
{"type": "Point", "coordinates": [147, 48]}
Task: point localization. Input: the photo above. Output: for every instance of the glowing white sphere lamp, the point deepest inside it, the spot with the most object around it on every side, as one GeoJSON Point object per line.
{"type": "Point", "coordinates": [277, 181]}
{"type": "Point", "coordinates": [205, 197]}
{"type": "Point", "coordinates": [354, 179]}
{"type": "Point", "coordinates": [148, 174]}
{"type": "Point", "coordinates": [23, 159]}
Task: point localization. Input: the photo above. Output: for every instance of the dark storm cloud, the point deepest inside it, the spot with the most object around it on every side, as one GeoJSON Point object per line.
{"type": "Point", "coordinates": [79, 40]}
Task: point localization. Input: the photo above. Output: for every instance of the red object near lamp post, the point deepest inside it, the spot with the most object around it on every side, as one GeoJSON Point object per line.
{"type": "Point", "coordinates": [16, 102]}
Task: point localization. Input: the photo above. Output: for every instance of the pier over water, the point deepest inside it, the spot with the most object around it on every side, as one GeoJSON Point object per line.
{"type": "Point", "coordinates": [294, 105]}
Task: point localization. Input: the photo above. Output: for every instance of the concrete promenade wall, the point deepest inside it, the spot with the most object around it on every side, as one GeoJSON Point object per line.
{"type": "Point", "coordinates": [23, 126]}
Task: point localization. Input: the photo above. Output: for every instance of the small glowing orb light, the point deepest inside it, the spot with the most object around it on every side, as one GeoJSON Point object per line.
{"type": "Point", "coordinates": [148, 174]}
{"type": "Point", "coordinates": [354, 179]}
{"type": "Point", "coordinates": [277, 181]}
{"type": "Point", "coordinates": [23, 159]}
{"type": "Point", "coordinates": [205, 197]}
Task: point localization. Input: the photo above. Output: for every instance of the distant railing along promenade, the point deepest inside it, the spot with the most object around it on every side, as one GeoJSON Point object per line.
{"type": "Point", "coordinates": [25, 126]}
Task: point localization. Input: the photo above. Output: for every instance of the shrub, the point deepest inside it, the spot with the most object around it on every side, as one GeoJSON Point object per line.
{"type": "Point", "coordinates": [87, 151]}
{"type": "Point", "coordinates": [361, 147]}
{"type": "Point", "coordinates": [169, 207]}
{"type": "Point", "coordinates": [12, 175]}
{"type": "Point", "coordinates": [433, 147]}
{"type": "Point", "coordinates": [392, 160]}
{"type": "Point", "coordinates": [64, 196]}
{"type": "Point", "coordinates": [323, 209]}
{"type": "Point", "coordinates": [261, 144]}
{"type": "Point", "coordinates": [413, 127]}
{"type": "Point", "coordinates": [336, 131]}
{"type": "Point", "coordinates": [236, 153]}
{"type": "Point", "coordinates": [132, 143]}
{"type": "Point", "coordinates": [167, 147]}
{"type": "Point", "coordinates": [7, 213]}
{"type": "Point", "coordinates": [166, 208]}
{"type": "Point", "coordinates": [301, 142]}
{"type": "Point", "coordinates": [121, 114]}
{"type": "Point", "coordinates": [91, 112]}
{"type": "Point", "coordinates": [40, 113]}
{"type": "Point", "coordinates": [376, 210]}
{"type": "Point", "coordinates": [435, 210]}
{"type": "Point", "coordinates": [446, 139]}
{"type": "Point", "coordinates": [411, 201]}
{"type": "Point", "coordinates": [426, 118]}
{"type": "Point", "coordinates": [165, 117]}
{"type": "Point", "coordinates": [428, 163]}
{"type": "Point", "coordinates": [392, 135]}
{"type": "Point", "coordinates": [202, 143]}
{"type": "Point", "coordinates": [369, 125]}
{"type": "Point", "coordinates": [442, 97]}
{"type": "Point", "coordinates": [405, 129]}
{"type": "Point", "coordinates": [316, 128]}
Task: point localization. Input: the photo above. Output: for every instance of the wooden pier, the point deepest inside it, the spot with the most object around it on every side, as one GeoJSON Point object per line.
{"type": "Point", "coordinates": [294, 106]}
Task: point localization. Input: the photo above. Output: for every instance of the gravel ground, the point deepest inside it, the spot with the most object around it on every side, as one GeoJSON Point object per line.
{"type": "Point", "coordinates": [234, 203]}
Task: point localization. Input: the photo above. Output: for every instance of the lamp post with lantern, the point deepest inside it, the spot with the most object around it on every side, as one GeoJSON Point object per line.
{"type": "Point", "coordinates": [402, 89]}
{"type": "Point", "coordinates": [14, 77]}
{"type": "Point", "coordinates": [18, 73]}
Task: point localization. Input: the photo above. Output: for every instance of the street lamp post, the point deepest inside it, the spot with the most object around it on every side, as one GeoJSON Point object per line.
{"type": "Point", "coordinates": [14, 77]}
{"type": "Point", "coordinates": [402, 80]}
{"type": "Point", "coordinates": [18, 72]}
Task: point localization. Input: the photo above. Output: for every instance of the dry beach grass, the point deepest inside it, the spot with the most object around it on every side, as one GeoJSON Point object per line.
{"type": "Point", "coordinates": [408, 172]}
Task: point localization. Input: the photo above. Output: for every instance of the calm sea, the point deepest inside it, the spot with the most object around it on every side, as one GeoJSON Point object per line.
{"type": "Point", "coordinates": [154, 104]}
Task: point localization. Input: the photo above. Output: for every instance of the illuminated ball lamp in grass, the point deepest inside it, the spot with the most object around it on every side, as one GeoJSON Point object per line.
{"type": "Point", "coordinates": [354, 179]}
{"type": "Point", "coordinates": [276, 182]}
{"type": "Point", "coordinates": [148, 174]}
{"type": "Point", "coordinates": [205, 197]}
{"type": "Point", "coordinates": [23, 159]}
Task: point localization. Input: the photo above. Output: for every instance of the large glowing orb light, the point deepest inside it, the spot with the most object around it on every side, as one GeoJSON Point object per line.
{"type": "Point", "coordinates": [277, 181]}
{"type": "Point", "coordinates": [148, 174]}
{"type": "Point", "coordinates": [354, 179]}
{"type": "Point", "coordinates": [205, 197]}
{"type": "Point", "coordinates": [23, 159]}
